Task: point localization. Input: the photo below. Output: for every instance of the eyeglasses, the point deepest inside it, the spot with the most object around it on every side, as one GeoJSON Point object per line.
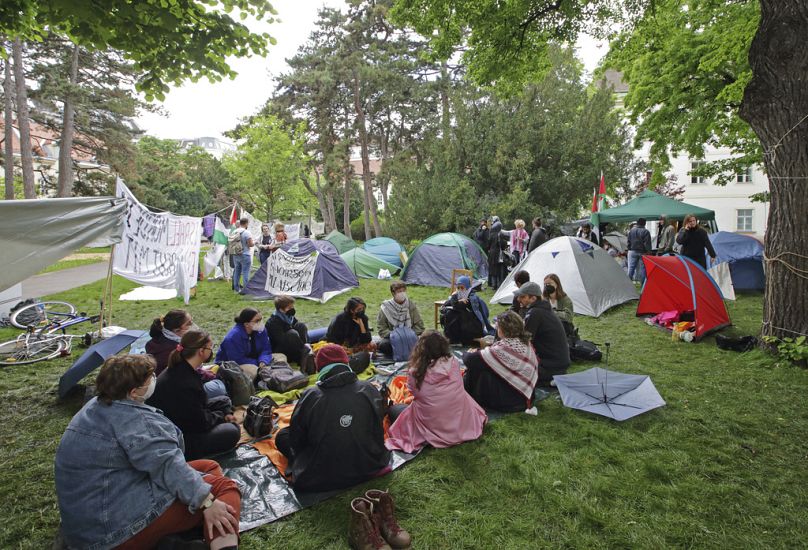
{"type": "Point", "coordinates": [212, 348]}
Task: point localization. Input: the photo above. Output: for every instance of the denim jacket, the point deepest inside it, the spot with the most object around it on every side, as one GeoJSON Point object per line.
{"type": "Point", "coordinates": [118, 467]}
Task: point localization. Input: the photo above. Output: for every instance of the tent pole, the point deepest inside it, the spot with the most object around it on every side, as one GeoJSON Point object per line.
{"type": "Point", "coordinates": [108, 291]}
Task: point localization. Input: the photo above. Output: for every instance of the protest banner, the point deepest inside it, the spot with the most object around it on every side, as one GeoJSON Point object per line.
{"type": "Point", "coordinates": [290, 275]}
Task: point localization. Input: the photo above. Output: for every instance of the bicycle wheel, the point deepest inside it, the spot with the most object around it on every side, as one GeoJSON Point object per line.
{"type": "Point", "coordinates": [25, 350]}
{"type": "Point", "coordinates": [42, 314]}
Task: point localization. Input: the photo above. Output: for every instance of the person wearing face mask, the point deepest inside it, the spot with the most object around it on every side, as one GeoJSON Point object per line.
{"type": "Point", "coordinates": [264, 244]}
{"type": "Point", "coordinates": [287, 335]}
{"type": "Point", "coordinates": [548, 336]}
{"type": "Point", "coordinates": [559, 301]}
{"type": "Point", "coordinates": [399, 312]}
{"type": "Point", "coordinates": [247, 343]}
{"type": "Point", "coordinates": [465, 315]}
{"type": "Point", "coordinates": [166, 332]}
{"type": "Point", "coordinates": [121, 478]}
{"type": "Point", "coordinates": [350, 328]}
{"type": "Point", "coordinates": [208, 426]}
{"type": "Point", "coordinates": [280, 237]}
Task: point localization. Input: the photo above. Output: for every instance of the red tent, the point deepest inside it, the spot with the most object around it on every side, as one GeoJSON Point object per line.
{"type": "Point", "coordinates": [678, 283]}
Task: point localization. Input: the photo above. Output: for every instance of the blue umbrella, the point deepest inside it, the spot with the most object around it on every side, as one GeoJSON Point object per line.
{"type": "Point", "coordinates": [94, 357]}
{"type": "Point", "coordinates": [607, 393]}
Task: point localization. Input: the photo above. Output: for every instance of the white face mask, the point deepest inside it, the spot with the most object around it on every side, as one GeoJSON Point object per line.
{"type": "Point", "coordinates": [400, 297]}
{"type": "Point", "coordinates": [258, 326]}
{"type": "Point", "coordinates": [149, 390]}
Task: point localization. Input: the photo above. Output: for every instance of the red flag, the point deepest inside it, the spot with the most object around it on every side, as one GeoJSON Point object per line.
{"type": "Point", "coordinates": [602, 190]}
{"type": "Point", "coordinates": [594, 200]}
{"type": "Point", "coordinates": [234, 215]}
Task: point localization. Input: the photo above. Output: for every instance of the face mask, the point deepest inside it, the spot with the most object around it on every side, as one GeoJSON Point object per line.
{"type": "Point", "coordinates": [358, 314]}
{"type": "Point", "coordinates": [400, 297]}
{"type": "Point", "coordinates": [258, 326]}
{"type": "Point", "coordinates": [549, 289]}
{"type": "Point", "coordinates": [149, 390]}
{"type": "Point", "coordinates": [291, 312]}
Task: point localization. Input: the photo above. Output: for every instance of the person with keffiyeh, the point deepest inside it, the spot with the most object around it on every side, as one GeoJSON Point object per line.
{"type": "Point", "coordinates": [465, 315]}
{"type": "Point", "coordinates": [399, 311]}
{"type": "Point", "coordinates": [502, 376]}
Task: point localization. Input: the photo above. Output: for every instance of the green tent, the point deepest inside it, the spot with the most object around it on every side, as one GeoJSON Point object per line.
{"type": "Point", "coordinates": [366, 265]}
{"type": "Point", "coordinates": [651, 206]}
{"type": "Point", "coordinates": [340, 241]}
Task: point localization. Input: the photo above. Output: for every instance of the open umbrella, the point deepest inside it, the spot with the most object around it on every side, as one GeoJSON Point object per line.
{"type": "Point", "coordinates": [607, 393]}
{"type": "Point", "coordinates": [94, 357]}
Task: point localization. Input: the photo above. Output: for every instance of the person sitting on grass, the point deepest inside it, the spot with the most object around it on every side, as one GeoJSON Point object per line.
{"type": "Point", "coordinates": [121, 478]}
{"type": "Point", "coordinates": [519, 278]}
{"type": "Point", "coordinates": [397, 312]}
{"type": "Point", "coordinates": [289, 336]}
{"type": "Point", "coordinates": [247, 343]}
{"type": "Point", "coordinates": [502, 376]}
{"type": "Point", "coordinates": [208, 426]}
{"type": "Point", "coordinates": [559, 301]}
{"type": "Point", "coordinates": [441, 414]}
{"type": "Point", "coordinates": [465, 315]}
{"type": "Point", "coordinates": [350, 329]}
{"type": "Point", "coordinates": [547, 333]}
{"type": "Point", "coordinates": [335, 437]}
{"type": "Point", "coordinates": [166, 332]}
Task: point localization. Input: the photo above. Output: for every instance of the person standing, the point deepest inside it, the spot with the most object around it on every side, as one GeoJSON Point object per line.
{"type": "Point", "coordinates": [263, 246]}
{"type": "Point", "coordinates": [585, 232]}
{"type": "Point", "coordinates": [496, 260]}
{"type": "Point", "coordinates": [665, 236]}
{"type": "Point", "coordinates": [537, 237]}
{"type": "Point", "coordinates": [280, 237]}
{"type": "Point", "coordinates": [243, 262]}
{"type": "Point", "coordinates": [694, 240]}
{"type": "Point", "coordinates": [481, 234]}
{"type": "Point", "coordinates": [639, 244]}
{"type": "Point", "coordinates": [519, 239]}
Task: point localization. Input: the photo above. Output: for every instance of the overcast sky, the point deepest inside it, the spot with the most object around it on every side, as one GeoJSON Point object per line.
{"type": "Point", "coordinates": [203, 109]}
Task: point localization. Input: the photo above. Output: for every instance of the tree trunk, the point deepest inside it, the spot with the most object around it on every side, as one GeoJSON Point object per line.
{"type": "Point", "coordinates": [775, 104]}
{"type": "Point", "coordinates": [331, 221]}
{"type": "Point", "coordinates": [8, 114]}
{"type": "Point", "coordinates": [65, 185]}
{"type": "Point", "coordinates": [317, 192]}
{"type": "Point", "coordinates": [346, 204]}
{"type": "Point", "coordinates": [23, 122]}
{"type": "Point", "coordinates": [367, 182]}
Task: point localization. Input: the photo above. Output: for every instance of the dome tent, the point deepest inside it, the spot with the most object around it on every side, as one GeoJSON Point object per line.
{"type": "Point", "coordinates": [386, 249]}
{"type": "Point", "coordinates": [365, 265]}
{"type": "Point", "coordinates": [744, 255]}
{"type": "Point", "coordinates": [433, 260]}
{"type": "Point", "coordinates": [341, 242]}
{"type": "Point", "coordinates": [590, 277]}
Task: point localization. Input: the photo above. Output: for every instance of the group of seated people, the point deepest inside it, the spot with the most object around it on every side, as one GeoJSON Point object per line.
{"type": "Point", "coordinates": [131, 467]}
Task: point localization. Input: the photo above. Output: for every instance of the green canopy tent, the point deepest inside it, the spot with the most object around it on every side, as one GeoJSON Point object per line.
{"type": "Point", "coordinates": [651, 206]}
{"type": "Point", "coordinates": [366, 265]}
{"type": "Point", "coordinates": [341, 242]}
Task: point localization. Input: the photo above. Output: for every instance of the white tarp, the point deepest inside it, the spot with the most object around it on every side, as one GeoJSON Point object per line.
{"type": "Point", "coordinates": [155, 244]}
{"type": "Point", "coordinates": [290, 275]}
{"type": "Point", "coordinates": [37, 233]}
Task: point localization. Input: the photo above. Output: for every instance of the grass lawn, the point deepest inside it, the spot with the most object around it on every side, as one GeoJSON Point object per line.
{"type": "Point", "coordinates": [723, 465]}
{"type": "Point", "coordinates": [67, 264]}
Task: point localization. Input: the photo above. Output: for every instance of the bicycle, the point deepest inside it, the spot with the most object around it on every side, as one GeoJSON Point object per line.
{"type": "Point", "coordinates": [43, 322]}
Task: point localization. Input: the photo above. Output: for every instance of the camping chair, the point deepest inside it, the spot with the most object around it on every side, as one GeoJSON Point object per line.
{"type": "Point", "coordinates": [456, 273]}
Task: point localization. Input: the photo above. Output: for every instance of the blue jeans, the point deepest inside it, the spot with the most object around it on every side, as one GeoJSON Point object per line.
{"type": "Point", "coordinates": [241, 270]}
{"type": "Point", "coordinates": [635, 264]}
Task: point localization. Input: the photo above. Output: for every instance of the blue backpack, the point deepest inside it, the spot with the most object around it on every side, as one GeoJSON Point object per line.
{"type": "Point", "coordinates": [402, 339]}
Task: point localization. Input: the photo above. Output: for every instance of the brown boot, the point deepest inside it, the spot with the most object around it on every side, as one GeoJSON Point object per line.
{"type": "Point", "coordinates": [385, 511]}
{"type": "Point", "coordinates": [363, 532]}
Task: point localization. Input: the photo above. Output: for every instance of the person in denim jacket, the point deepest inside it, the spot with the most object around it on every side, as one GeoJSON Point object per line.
{"type": "Point", "coordinates": [121, 479]}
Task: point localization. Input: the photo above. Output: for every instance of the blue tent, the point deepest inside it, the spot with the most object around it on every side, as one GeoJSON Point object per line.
{"type": "Point", "coordinates": [745, 257]}
{"type": "Point", "coordinates": [432, 262]}
{"type": "Point", "coordinates": [332, 275]}
{"type": "Point", "coordinates": [386, 249]}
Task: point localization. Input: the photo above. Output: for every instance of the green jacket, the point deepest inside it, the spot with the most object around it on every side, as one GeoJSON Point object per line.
{"type": "Point", "coordinates": [563, 309]}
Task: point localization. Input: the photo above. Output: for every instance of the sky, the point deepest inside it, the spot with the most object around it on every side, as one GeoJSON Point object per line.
{"type": "Point", "coordinates": [205, 109]}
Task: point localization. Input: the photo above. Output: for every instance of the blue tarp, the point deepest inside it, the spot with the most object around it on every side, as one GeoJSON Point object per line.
{"type": "Point", "coordinates": [745, 257]}
{"type": "Point", "coordinates": [432, 262]}
{"type": "Point", "coordinates": [385, 249]}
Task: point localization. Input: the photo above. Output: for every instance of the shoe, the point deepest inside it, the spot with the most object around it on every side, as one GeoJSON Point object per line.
{"type": "Point", "coordinates": [363, 532]}
{"type": "Point", "coordinates": [384, 510]}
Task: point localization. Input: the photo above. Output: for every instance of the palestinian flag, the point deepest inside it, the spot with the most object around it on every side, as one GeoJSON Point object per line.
{"type": "Point", "coordinates": [220, 233]}
{"type": "Point", "coordinates": [214, 255]}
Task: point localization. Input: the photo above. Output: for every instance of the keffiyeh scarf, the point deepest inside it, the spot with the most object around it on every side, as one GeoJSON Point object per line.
{"type": "Point", "coordinates": [397, 314]}
{"type": "Point", "coordinates": [515, 362]}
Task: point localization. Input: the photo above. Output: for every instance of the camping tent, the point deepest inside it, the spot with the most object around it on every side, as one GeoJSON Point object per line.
{"type": "Point", "coordinates": [677, 283]}
{"type": "Point", "coordinates": [331, 275]}
{"type": "Point", "coordinates": [386, 249]}
{"type": "Point", "coordinates": [651, 206]}
{"type": "Point", "coordinates": [618, 240]}
{"type": "Point", "coordinates": [433, 260]}
{"type": "Point", "coordinates": [366, 265]}
{"type": "Point", "coordinates": [745, 257]}
{"type": "Point", "coordinates": [341, 242]}
{"type": "Point", "coordinates": [590, 277]}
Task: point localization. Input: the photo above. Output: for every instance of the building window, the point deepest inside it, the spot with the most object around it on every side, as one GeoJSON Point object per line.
{"type": "Point", "coordinates": [695, 165]}
{"type": "Point", "coordinates": [744, 220]}
{"type": "Point", "coordinates": [744, 176]}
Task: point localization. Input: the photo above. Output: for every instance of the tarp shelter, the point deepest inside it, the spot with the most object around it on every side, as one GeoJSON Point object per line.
{"type": "Point", "coordinates": [677, 283]}
{"type": "Point", "coordinates": [590, 277]}
{"type": "Point", "coordinates": [342, 243]}
{"type": "Point", "coordinates": [366, 265]}
{"type": "Point", "coordinates": [37, 233]}
{"type": "Point", "coordinates": [332, 275]}
{"type": "Point", "coordinates": [744, 255]}
{"type": "Point", "coordinates": [651, 206]}
{"type": "Point", "coordinates": [94, 357]}
{"type": "Point", "coordinates": [386, 249]}
{"type": "Point", "coordinates": [433, 260]}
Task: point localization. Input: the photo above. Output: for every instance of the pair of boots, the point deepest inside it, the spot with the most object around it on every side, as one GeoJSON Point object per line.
{"type": "Point", "coordinates": [373, 523]}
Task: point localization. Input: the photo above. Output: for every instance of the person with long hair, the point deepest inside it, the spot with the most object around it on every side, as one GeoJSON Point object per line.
{"type": "Point", "coordinates": [351, 328]}
{"type": "Point", "coordinates": [208, 426]}
{"type": "Point", "coordinates": [247, 343]}
{"type": "Point", "coordinates": [503, 376]}
{"type": "Point", "coordinates": [694, 239]}
{"type": "Point", "coordinates": [441, 414]}
{"type": "Point", "coordinates": [166, 332]}
{"type": "Point", "coordinates": [121, 478]}
{"type": "Point", "coordinates": [518, 240]}
{"type": "Point", "coordinates": [559, 301]}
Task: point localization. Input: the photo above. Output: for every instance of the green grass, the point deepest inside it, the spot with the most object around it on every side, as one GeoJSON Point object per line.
{"type": "Point", "coordinates": [91, 250]}
{"type": "Point", "coordinates": [723, 465]}
{"type": "Point", "coordinates": [67, 264]}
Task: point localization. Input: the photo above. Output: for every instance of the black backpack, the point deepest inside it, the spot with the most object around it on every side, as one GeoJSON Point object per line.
{"type": "Point", "coordinates": [280, 377]}
{"type": "Point", "coordinates": [260, 421]}
{"type": "Point", "coordinates": [239, 386]}
{"type": "Point", "coordinates": [584, 350]}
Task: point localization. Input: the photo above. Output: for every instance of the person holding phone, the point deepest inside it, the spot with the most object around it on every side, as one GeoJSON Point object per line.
{"type": "Point", "coordinates": [694, 240]}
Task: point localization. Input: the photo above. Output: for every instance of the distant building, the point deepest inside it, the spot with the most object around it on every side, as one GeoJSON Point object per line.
{"type": "Point", "coordinates": [216, 147]}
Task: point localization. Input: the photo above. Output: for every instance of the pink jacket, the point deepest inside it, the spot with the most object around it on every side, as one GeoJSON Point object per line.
{"type": "Point", "coordinates": [441, 414]}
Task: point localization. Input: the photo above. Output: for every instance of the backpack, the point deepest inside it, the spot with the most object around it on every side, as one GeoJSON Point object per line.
{"type": "Point", "coordinates": [259, 420]}
{"type": "Point", "coordinates": [234, 246]}
{"type": "Point", "coordinates": [585, 350]}
{"type": "Point", "coordinates": [402, 340]}
{"type": "Point", "coordinates": [239, 386]}
{"type": "Point", "coordinates": [281, 378]}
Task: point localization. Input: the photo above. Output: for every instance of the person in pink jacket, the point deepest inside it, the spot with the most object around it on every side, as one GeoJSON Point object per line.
{"type": "Point", "coordinates": [441, 414]}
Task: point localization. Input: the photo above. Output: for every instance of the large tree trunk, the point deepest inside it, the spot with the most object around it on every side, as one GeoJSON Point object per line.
{"type": "Point", "coordinates": [318, 193]}
{"type": "Point", "coordinates": [367, 181]}
{"type": "Point", "coordinates": [65, 185]}
{"type": "Point", "coordinates": [775, 105]}
{"type": "Point", "coordinates": [346, 203]}
{"type": "Point", "coordinates": [8, 113]}
{"type": "Point", "coordinates": [331, 222]}
{"type": "Point", "coordinates": [23, 122]}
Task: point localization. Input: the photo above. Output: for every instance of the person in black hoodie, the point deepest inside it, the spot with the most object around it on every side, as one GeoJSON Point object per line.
{"type": "Point", "coordinates": [496, 259]}
{"type": "Point", "coordinates": [548, 336]}
{"type": "Point", "coordinates": [694, 240]}
{"type": "Point", "coordinates": [289, 336]}
{"type": "Point", "coordinates": [335, 437]}
{"type": "Point", "coordinates": [208, 425]}
{"type": "Point", "coordinates": [350, 328]}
